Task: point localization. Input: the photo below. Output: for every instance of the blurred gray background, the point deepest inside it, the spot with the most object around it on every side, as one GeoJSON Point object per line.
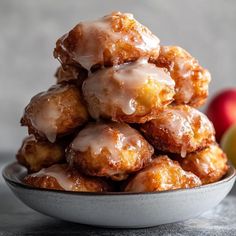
{"type": "Point", "coordinates": [29, 29]}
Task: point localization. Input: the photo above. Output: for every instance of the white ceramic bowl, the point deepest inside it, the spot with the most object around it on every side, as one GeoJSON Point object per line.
{"type": "Point", "coordinates": [125, 210]}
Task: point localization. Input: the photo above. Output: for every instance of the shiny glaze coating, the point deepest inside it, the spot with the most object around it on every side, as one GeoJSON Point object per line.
{"type": "Point", "coordinates": [162, 174]}
{"type": "Point", "coordinates": [209, 164]}
{"type": "Point", "coordinates": [179, 129]}
{"type": "Point", "coordinates": [62, 177]}
{"type": "Point", "coordinates": [111, 40]}
{"type": "Point", "coordinates": [37, 154]}
{"type": "Point", "coordinates": [190, 78]}
{"type": "Point", "coordinates": [55, 112]}
{"type": "Point", "coordinates": [133, 92]}
{"type": "Point", "coordinates": [112, 150]}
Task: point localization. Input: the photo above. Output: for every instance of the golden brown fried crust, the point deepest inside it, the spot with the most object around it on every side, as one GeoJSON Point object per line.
{"type": "Point", "coordinates": [191, 79]}
{"type": "Point", "coordinates": [179, 129]}
{"type": "Point", "coordinates": [209, 164]}
{"type": "Point", "coordinates": [162, 174]}
{"type": "Point", "coordinates": [55, 113]}
{"type": "Point", "coordinates": [142, 115]}
{"type": "Point", "coordinates": [35, 154]}
{"type": "Point", "coordinates": [132, 93]}
{"type": "Point", "coordinates": [120, 39]}
{"type": "Point", "coordinates": [62, 177]}
{"type": "Point", "coordinates": [110, 151]}
{"type": "Point", "coordinates": [69, 73]}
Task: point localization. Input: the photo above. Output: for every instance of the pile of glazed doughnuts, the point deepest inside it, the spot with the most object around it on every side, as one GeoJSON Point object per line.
{"type": "Point", "coordinates": [122, 115]}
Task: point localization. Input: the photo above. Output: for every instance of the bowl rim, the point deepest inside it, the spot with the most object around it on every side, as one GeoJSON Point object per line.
{"type": "Point", "coordinates": [231, 174]}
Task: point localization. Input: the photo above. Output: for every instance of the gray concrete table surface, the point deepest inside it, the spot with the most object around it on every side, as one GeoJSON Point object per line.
{"type": "Point", "coordinates": [18, 219]}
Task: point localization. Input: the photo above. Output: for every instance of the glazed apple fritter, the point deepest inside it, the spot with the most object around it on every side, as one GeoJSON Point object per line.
{"type": "Point", "coordinates": [111, 150]}
{"type": "Point", "coordinates": [35, 154]}
{"type": "Point", "coordinates": [190, 78]}
{"type": "Point", "coordinates": [179, 129]}
{"type": "Point", "coordinates": [56, 112]}
{"type": "Point", "coordinates": [162, 174]}
{"type": "Point", "coordinates": [111, 40]}
{"type": "Point", "coordinates": [209, 164]}
{"type": "Point", "coordinates": [133, 92]}
{"type": "Point", "coordinates": [62, 177]}
{"type": "Point", "coordinates": [69, 73]}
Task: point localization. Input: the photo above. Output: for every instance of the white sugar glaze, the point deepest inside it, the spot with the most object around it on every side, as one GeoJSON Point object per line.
{"type": "Point", "coordinates": [58, 172]}
{"type": "Point", "coordinates": [98, 35]}
{"type": "Point", "coordinates": [180, 121]}
{"type": "Point", "coordinates": [113, 136]}
{"type": "Point", "coordinates": [182, 69]}
{"type": "Point", "coordinates": [120, 84]}
{"type": "Point", "coordinates": [160, 169]}
{"type": "Point", "coordinates": [45, 119]}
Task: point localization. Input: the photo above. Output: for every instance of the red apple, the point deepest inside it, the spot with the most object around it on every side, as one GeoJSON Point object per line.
{"type": "Point", "coordinates": [222, 111]}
